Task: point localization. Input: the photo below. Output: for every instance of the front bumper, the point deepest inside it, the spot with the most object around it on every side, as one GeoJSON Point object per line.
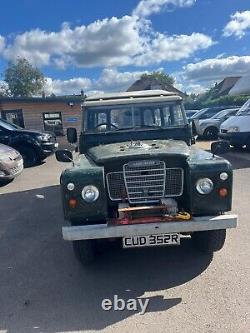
{"type": "Point", "coordinates": [48, 149]}
{"type": "Point", "coordinates": [238, 138]}
{"type": "Point", "coordinates": [99, 231]}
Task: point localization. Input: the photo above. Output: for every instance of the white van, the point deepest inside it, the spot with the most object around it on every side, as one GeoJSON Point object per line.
{"type": "Point", "coordinates": [236, 129]}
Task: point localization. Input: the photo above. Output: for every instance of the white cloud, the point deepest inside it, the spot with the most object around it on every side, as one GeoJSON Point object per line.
{"type": "Point", "coordinates": [67, 87]}
{"type": "Point", "coordinates": [110, 80]}
{"type": "Point", "coordinates": [108, 42]}
{"type": "Point", "coordinates": [146, 8]}
{"type": "Point", "coordinates": [2, 43]}
{"type": "Point", "coordinates": [239, 24]}
{"type": "Point", "coordinates": [217, 69]}
{"type": "Point", "coordinates": [105, 43]}
{"type": "Point", "coordinates": [172, 48]}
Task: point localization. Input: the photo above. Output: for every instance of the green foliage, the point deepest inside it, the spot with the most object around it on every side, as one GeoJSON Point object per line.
{"type": "Point", "coordinates": [160, 76]}
{"type": "Point", "coordinates": [200, 102]}
{"type": "Point", "coordinates": [23, 79]}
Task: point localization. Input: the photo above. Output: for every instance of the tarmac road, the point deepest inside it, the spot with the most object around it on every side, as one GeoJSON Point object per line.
{"type": "Point", "coordinates": [44, 289]}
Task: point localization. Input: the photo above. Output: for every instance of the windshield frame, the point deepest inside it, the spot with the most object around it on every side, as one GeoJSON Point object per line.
{"type": "Point", "coordinates": [87, 112]}
{"type": "Point", "coordinates": [245, 109]}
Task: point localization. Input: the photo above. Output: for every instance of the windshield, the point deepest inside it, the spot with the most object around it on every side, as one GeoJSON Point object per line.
{"type": "Point", "coordinates": [244, 110]}
{"type": "Point", "coordinates": [224, 113]}
{"type": "Point", "coordinates": [122, 117]}
{"type": "Point", "coordinates": [9, 126]}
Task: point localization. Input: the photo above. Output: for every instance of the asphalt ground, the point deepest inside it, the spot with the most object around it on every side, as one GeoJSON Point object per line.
{"type": "Point", "coordinates": [43, 288]}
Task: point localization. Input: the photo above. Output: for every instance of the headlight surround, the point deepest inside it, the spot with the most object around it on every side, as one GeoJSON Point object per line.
{"type": "Point", "coordinates": [224, 176]}
{"type": "Point", "coordinates": [90, 193]}
{"type": "Point", "coordinates": [204, 186]}
{"type": "Point", "coordinates": [234, 129]}
{"type": "Point", "coordinates": [44, 137]}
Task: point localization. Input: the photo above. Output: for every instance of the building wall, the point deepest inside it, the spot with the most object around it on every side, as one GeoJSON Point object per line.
{"type": "Point", "coordinates": [33, 113]}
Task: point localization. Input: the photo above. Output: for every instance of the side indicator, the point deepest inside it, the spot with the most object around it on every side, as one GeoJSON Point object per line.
{"type": "Point", "coordinates": [223, 192]}
{"type": "Point", "coordinates": [72, 203]}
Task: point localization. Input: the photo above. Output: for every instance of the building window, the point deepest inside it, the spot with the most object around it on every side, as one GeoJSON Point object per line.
{"type": "Point", "coordinates": [53, 122]}
{"type": "Point", "coordinates": [14, 116]}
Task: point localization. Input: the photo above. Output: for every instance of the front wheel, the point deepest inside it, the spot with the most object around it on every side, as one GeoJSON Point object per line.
{"type": "Point", "coordinates": [29, 156]}
{"type": "Point", "coordinates": [209, 241]}
{"type": "Point", "coordinates": [211, 133]}
{"type": "Point", "coordinates": [85, 251]}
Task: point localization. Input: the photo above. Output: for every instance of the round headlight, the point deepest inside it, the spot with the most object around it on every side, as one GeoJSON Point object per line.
{"type": "Point", "coordinates": [71, 186]}
{"type": "Point", "coordinates": [204, 186]}
{"type": "Point", "coordinates": [90, 193]}
{"type": "Point", "coordinates": [223, 176]}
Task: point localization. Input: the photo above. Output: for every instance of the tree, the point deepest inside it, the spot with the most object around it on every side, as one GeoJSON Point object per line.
{"type": "Point", "coordinates": [23, 79]}
{"type": "Point", "coordinates": [162, 77]}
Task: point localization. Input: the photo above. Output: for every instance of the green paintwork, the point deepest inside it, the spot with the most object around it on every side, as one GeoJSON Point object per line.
{"type": "Point", "coordinates": [151, 148]}
{"type": "Point", "coordinates": [82, 174]}
{"type": "Point", "coordinates": [107, 152]}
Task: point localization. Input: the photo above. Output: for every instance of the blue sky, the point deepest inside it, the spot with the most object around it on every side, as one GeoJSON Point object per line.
{"type": "Point", "coordinates": [106, 45]}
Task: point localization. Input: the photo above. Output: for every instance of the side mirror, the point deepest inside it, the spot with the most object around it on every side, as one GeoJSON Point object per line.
{"type": "Point", "coordinates": [220, 147]}
{"type": "Point", "coordinates": [71, 135]}
{"type": "Point", "coordinates": [64, 155]}
{"type": "Point", "coordinates": [193, 140]}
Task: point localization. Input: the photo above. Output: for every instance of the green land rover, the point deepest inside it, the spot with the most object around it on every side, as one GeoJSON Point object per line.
{"type": "Point", "coordinates": [138, 178]}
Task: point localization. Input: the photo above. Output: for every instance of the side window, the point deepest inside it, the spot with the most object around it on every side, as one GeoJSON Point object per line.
{"type": "Point", "coordinates": [177, 116]}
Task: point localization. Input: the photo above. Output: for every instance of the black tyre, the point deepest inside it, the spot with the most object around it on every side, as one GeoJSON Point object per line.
{"type": "Point", "coordinates": [29, 156]}
{"type": "Point", "coordinates": [85, 251]}
{"type": "Point", "coordinates": [211, 133]}
{"type": "Point", "coordinates": [209, 241]}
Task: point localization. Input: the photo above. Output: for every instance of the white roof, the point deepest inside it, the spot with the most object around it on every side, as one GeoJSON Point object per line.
{"type": "Point", "coordinates": [242, 87]}
{"type": "Point", "coordinates": [130, 94]}
{"type": "Point", "coordinates": [132, 97]}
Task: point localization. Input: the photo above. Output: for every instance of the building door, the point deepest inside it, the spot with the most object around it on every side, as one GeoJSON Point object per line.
{"type": "Point", "coordinates": [53, 122]}
{"type": "Point", "coordinates": [14, 116]}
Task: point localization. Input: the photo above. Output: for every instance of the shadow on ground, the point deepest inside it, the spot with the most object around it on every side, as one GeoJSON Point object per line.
{"type": "Point", "coordinates": [44, 288]}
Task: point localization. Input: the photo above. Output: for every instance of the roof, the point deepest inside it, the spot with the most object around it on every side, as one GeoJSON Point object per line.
{"type": "Point", "coordinates": [242, 87]}
{"type": "Point", "coordinates": [143, 93]}
{"type": "Point", "coordinates": [131, 97]}
{"type": "Point", "coordinates": [226, 85]}
{"type": "Point", "coordinates": [151, 83]}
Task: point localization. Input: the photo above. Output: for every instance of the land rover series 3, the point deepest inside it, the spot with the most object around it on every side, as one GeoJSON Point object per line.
{"type": "Point", "coordinates": [137, 177]}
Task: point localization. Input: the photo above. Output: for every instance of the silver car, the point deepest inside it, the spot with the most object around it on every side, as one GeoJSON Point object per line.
{"type": "Point", "coordinates": [209, 128]}
{"type": "Point", "coordinates": [11, 163]}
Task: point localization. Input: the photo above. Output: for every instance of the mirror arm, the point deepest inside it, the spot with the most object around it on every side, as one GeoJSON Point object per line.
{"type": "Point", "coordinates": [70, 159]}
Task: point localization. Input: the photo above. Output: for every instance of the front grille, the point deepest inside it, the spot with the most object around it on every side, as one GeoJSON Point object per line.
{"type": "Point", "coordinates": [145, 181]}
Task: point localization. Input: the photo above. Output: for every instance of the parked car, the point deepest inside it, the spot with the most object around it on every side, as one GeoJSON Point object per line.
{"type": "Point", "coordinates": [204, 114]}
{"type": "Point", "coordinates": [236, 130]}
{"type": "Point", "coordinates": [191, 113]}
{"type": "Point", "coordinates": [139, 179]}
{"type": "Point", "coordinates": [33, 146]}
{"type": "Point", "coordinates": [209, 128]}
{"type": "Point", "coordinates": [11, 163]}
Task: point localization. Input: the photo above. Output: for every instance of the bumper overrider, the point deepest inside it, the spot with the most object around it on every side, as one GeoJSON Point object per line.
{"type": "Point", "coordinates": [101, 231]}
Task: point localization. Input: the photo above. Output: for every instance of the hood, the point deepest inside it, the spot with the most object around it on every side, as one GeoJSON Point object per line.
{"type": "Point", "coordinates": [232, 121]}
{"type": "Point", "coordinates": [31, 132]}
{"type": "Point", "coordinates": [138, 150]}
{"type": "Point", "coordinates": [7, 152]}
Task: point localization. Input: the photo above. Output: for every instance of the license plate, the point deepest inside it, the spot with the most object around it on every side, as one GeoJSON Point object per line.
{"type": "Point", "coordinates": [151, 240]}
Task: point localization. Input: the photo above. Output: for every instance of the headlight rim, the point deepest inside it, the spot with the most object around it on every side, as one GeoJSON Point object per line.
{"type": "Point", "coordinates": [93, 188]}
{"type": "Point", "coordinates": [198, 185]}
